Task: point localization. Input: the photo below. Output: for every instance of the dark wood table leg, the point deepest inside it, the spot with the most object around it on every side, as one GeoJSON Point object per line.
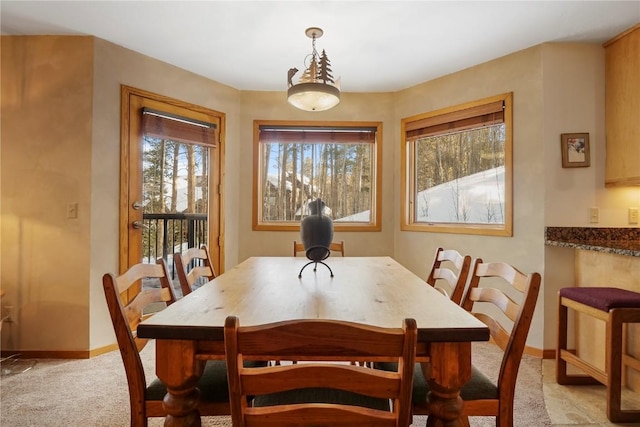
{"type": "Point", "coordinates": [449, 370]}
{"type": "Point", "coordinates": [178, 369]}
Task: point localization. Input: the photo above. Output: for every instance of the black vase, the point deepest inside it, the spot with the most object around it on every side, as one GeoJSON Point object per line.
{"type": "Point", "coordinates": [316, 231]}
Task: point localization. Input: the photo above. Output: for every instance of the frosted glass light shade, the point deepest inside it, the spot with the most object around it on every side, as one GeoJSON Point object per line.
{"type": "Point", "coordinates": [313, 96]}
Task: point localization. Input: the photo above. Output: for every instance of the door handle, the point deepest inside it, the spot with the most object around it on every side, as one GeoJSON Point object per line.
{"type": "Point", "coordinates": [138, 225]}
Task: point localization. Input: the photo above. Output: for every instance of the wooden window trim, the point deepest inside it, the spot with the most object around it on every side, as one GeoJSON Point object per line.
{"type": "Point", "coordinates": [434, 122]}
{"type": "Point", "coordinates": [376, 214]}
{"type": "Point", "coordinates": [132, 100]}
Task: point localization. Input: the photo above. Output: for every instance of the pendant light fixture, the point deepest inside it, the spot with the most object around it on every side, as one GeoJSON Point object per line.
{"type": "Point", "coordinates": [316, 89]}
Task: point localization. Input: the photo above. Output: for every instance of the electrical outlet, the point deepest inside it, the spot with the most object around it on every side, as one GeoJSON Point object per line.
{"type": "Point", "coordinates": [72, 210]}
{"type": "Point", "coordinates": [633, 215]}
{"type": "Point", "coordinates": [7, 313]}
{"type": "Point", "coordinates": [594, 215]}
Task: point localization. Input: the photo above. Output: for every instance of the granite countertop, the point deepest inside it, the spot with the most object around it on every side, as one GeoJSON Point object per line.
{"type": "Point", "coordinates": [621, 241]}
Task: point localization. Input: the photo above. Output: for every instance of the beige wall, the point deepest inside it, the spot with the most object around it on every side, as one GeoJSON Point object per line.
{"type": "Point", "coordinates": [46, 163]}
{"type": "Point", "coordinates": [520, 73]}
{"type": "Point", "coordinates": [61, 144]}
{"type": "Point", "coordinates": [66, 93]}
{"type": "Point", "coordinates": [353, 107]}
{"type": "Point", "coordinates": [116, 66]}
{"type": "Point", "coordinates": [573, 90]}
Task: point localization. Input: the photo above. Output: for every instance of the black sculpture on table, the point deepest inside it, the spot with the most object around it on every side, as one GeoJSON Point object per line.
{"type": "Point", "coordinates": [316, 231]}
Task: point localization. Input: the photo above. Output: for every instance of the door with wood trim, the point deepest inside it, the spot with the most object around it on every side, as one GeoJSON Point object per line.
{"type": "Point", "coordinates": [169, 178]}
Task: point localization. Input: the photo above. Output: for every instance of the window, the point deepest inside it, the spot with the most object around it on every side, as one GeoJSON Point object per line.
{"type": "Point", "coordinates": [175, 182]}
{"type": "Point", "coordinates": [295, 163]}
{"type": "Point", "coordinates": [457, 169]}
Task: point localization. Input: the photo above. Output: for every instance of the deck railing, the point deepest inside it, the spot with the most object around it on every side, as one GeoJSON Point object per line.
{"type": "Point", "coordinates": [167, 233]}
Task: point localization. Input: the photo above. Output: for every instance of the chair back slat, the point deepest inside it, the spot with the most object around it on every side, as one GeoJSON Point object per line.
{"type": "Point", "coordinates": [141, 271]}
{"type": "Point", "coordinates": [452, 255]}
{"type": "Point", "coordinates": [333, 247]}
{"type": "Point", "coordinates": [498, 298]}
{"type": "Point", "coordinates": [191, 265]}
{"type": "Point", "coordinates": [453, 268]}
{"type": "Point", "coordinates": [323, 416]}
{"type": "Point", "coordinates": [333, 340]}
{"type": "Point", "coordinates": [197, 272]}
{"type": "Point", "coordinates": [134, 311]}
{"type": "Point", "coordinates": [337, 247]}
{"type": "Point", "coordinates": [318, 375]}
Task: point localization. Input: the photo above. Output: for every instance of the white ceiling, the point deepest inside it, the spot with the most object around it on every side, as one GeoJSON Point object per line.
{"type": "Point", "coordinates": [373, 46]}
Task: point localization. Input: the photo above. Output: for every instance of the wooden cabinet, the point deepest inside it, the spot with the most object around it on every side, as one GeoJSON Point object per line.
{"type": "Point", "coordinates": [622, 108]}
{"type": "Point", "coordinates": [595, 269]}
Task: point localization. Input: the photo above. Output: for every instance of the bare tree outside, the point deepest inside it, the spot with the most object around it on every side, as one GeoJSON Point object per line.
{"type": "Point", "coordinates": [342, 182]}
{"type": "Point", "coordinates": [175, 177]}
{"type": "Point", "coordinates": [300, 164]}
{"type": "Point", "coordinates": [457, 166]}
{"type": "Point", "coordinates": [460, 176]}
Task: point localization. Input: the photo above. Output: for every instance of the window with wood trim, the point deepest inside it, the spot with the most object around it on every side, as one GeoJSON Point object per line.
{"type": "Point", "coordinates": [457, 169]}
{"type": "Point", "coordinates": [298, 162]}
{"type": "Point", "coordinates": [175, 201]}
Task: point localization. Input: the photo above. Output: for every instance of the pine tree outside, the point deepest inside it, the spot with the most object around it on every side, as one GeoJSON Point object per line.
{"type": "Point", "coordinates": [298, 164]}
{"type": "Point", "coordinates": [175, 191]}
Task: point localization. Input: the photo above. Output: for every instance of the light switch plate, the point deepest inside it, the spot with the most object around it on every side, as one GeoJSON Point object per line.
{"type": "Point", "coordinates": [72, 210]}
{"type": "Point", "coordinates": [633, 215]}
{"type": "Point", "coordinates": [594, 215]}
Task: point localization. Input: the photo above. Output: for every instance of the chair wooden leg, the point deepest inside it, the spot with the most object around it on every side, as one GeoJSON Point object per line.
{"type": "Point", "coordinates": [615, 350]}
{"type": "Point", "coordinates": [505, 414]}
{"type": "Point", "coordinates": [614, 366]}
{"type": "Point", "coordinates": [561, 365]}
{"type": "Point", "coordinates": [562, 377]}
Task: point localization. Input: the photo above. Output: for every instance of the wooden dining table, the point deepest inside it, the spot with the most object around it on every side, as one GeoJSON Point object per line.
{"type": "Point", "coordinates": [372, 290]}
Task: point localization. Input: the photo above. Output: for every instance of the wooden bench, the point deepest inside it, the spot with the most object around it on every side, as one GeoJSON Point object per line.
{"type": "Point", "coordinates": [616, 307]}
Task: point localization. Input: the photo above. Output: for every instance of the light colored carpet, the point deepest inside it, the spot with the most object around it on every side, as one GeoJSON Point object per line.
{"type": "Point", "coordinates": [93, 392]}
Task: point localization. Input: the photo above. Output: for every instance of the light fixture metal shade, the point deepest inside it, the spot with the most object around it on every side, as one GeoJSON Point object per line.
{"type": "Point", "coordinates": [316, 89]}
{"type": "Point", "coordinates": [313, 96]}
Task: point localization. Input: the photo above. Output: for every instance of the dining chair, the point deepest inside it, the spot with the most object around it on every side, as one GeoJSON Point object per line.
{"type": "Point", "coordinates": [323, 389]}
{"type": "Point", "coordinates": [454, 272]}
{"type": "Point", "coordinates": [192, 265]}
{"type": "Point", "coordinates": [483, 397]}
{"type": "Point", "coordinates": [146, 399]}
{"type": "Point", "coordinates": [334, 247]}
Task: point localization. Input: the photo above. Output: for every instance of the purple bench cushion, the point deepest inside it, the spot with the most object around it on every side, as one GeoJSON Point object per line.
{"type": "Point", "coordinates": [603, 298]}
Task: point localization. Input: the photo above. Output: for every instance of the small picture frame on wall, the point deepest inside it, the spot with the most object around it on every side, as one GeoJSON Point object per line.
{"type": "Point", "coordinates": [575, 150]}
